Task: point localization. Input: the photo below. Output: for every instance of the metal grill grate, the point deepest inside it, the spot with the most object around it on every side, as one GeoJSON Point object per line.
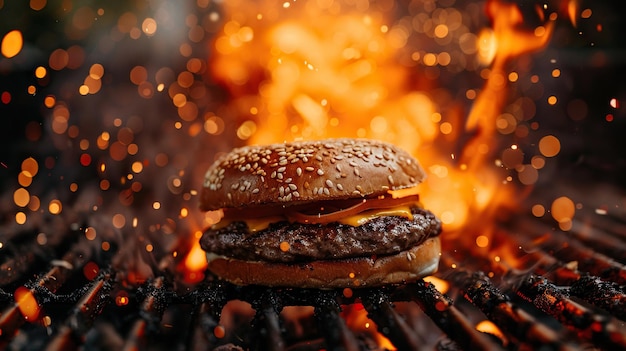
{"type": "Point", "coordinates": [571, 298]}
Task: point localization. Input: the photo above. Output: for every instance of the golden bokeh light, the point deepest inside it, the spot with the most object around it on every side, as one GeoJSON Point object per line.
{"type": "Point", "coordinates": [149, 26]}
{"type": "Point", "coordinates": [55, 207]}
{"type": "Point", "coordinates": [21, 197]}
{"type": "Point", "coordinates": [563, 209]}
{"type": "Point", "coordinates": [12, 43]}
{"type": "Point", "coordinates": [549, 146]}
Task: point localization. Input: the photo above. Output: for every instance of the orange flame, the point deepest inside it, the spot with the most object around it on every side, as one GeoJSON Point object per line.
{"type": "Point", "coordinates": [506, 41]}
{"type": "Point", "coordinates": [488, 326]}
{"type": "Point", "coordinates": [356, 319]}
{"type": "Point", "coordinates": [194, 263]}
{"type": "Point", "coordinates": [317, 69]}
{"type": "Point", "coordinates": [326, 69]}
{"type": "Point", "coordinates": [26, 303]}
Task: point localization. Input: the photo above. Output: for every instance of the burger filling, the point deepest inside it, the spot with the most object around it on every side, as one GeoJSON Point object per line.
{"type": "Point", "coordinates": [321, 231]}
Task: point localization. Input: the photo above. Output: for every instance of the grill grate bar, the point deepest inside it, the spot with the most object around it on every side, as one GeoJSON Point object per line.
{"type": "Point", "coordinates": [390, 323]}
{"type": "Point", "coordinates": [513, 321]}
{"type": "Point", "coordinates": [439, 307]}
{"type": "Point", "coordinates": [602, 294]}
{"type": "Point", "coordinates": [333, 328]}
{"type": "Point", "coordinates": [266, 324]}
{"type": "Point", "coordinates": [42, 288]}
{"type": "Point", "coordinates": [150, 314]}
{"type": "Point", "coordinates": [599, 241]}
{"type": "Point", "coordinates": [599, 328]}
{"type": "Point", "coordinates": [569, 249]}
{"type": "Point", "coordinates": [83, 315]}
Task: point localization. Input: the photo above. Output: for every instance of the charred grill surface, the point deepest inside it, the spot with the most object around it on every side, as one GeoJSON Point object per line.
{"type": "Point", "coordinates": [65, 296]}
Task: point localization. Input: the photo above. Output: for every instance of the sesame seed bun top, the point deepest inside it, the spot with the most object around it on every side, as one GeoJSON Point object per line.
{"type": "Point", "coordinates": [304, 171]}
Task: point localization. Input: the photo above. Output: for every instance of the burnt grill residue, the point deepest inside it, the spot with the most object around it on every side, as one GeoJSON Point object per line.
{"type": "Point", "coordinates": [571, 298]}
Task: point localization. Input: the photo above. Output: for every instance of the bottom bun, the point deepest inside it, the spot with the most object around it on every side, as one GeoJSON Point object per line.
{"type": "Point", "coordinates": [408, 265]}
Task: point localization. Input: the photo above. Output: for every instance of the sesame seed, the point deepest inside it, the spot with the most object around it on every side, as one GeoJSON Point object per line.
{"type": "Point", "coordinates": [299, 171]}
{"type": "Point", "coordinates": [326, 191]}
{"type": "Point", "coordinates": [281, 169]}
{"type": "Point", "coordinates": [339, 186]}
{"type": "Point", "coordinates": [320, 172]}
{"type": "Point", "coordinates": [293, 187]}
{"type": "Point", "coordinates": [390, 179]}
{"type": "Point", "coordinates": [309, 169]}
{"type": "Point", "coordinates": [255, 190]}
{"type": "Point", "coordinates": [296, 194]}
{"type": "Point", "coordinates": [356, 172]}
{"type": "Point", "coordinates": [273, 175]}
{"type": "Point", "coordinates": [329, 183]}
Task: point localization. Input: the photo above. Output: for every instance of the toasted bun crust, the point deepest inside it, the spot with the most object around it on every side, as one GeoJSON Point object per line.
{"type": "Point", "coordinates": [302, 171]}
{"type": "Point", "coordinates": [408, 265]}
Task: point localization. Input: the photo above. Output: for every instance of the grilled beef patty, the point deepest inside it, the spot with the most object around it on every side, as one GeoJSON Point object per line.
{"type": "Point", "coordinates": [308, 242]}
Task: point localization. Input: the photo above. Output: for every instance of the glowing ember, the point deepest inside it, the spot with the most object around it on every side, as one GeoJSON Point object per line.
{"type": "Point", "coordinates": [121, 299]}
{"type": "Point", "coordinates": [27, 304]}
{"type": "Point", "coordinates": [440, 284]}
{"type": "Point", "coordinates": [488, 326]}
{"type": "Point", "coordinates": [356, 319]}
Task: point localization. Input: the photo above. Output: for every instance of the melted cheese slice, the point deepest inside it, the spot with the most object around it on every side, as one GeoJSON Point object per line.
{"type": "Point", "coordinates": [258, 224]}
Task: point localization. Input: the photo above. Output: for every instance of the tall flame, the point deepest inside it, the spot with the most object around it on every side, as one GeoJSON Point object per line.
{"type": "Point", "coordinates": [332, 68]}
{"type": "Point", "coordinates": [505, 41]}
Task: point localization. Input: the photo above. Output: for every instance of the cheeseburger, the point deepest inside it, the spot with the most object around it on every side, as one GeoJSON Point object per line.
{"type": "Point", "coordinates": [319, 214]}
